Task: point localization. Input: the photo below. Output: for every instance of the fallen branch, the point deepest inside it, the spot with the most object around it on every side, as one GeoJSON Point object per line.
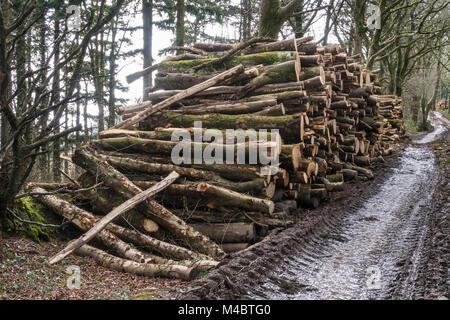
{"type": "Point", "coordinates": [100, 225]}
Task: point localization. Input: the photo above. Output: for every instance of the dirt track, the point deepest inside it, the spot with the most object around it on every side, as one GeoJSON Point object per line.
{"type": "Point", "coordinates": [389, 240]}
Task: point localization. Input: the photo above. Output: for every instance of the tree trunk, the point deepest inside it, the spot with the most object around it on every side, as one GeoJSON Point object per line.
{"type": "Point", "coordinates": [179, 31]}
{"type": "Point", "coordinates": [147, 16]}
{"type": "Point", "coordinates": [85, 221]}
{"type": "Point", "coordinates": [272, 16]}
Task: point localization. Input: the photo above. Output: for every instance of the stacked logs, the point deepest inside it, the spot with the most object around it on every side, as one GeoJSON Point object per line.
{"type": "Point", "coordinates": [331, 129]}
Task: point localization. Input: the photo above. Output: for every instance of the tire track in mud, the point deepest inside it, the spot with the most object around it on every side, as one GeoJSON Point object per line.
{"type": "Point", "coordinates": [371, 246]}
{"type": "Point", "coordinates": [379, 237]}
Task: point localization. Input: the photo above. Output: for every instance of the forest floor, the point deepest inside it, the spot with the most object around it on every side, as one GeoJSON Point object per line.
{"type": "Point", "coordinates": [25, 274]}
{"type": "Point", "coordinates": [397, 223]}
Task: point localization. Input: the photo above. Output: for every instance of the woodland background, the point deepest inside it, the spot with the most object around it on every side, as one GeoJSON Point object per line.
{"type": "Point", "coordinates": [59, 86]}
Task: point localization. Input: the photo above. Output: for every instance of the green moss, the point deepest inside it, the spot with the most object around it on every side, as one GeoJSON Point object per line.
{"type": "Point", "coordinates": [264, 58]}
{"type": "Point", "coordinates": [411, 126]}
{"type": "Point", "coordinates": [29, 209]}
{"type": "Point", "coordinates": [446, 113]}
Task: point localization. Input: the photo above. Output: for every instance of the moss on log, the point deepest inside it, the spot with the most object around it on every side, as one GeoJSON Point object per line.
{"type": "Point", "coordinates": [264, 58]}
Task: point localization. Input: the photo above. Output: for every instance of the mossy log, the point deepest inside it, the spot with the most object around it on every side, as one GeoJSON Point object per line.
{"type": "Point", "coordinates": [281, 73]}
{"type": "Point", "coordinates": [288, 125]}
{"type": "Point", "coordinates": [255, 186]}
{"type": "Point", "coordinates": [123, 186]}
{"type": "Point", "coordinates": [186, 151]}
{"type": "Point", "coordinates": [314, 84]}
{"type": "Point", "coordinates": [177, 81]}
{"type": "Point", "coordinates": [233, 172]}
{"type": "Point", "coordinates": [303, 46]}
{"type": "Point", "coordinates": [167, 133]}
{"type": "Point", "coordinates": [235, 108]}
{"type": "Point", "coordinates": [265, 58]}
{"type": "Point", "coordinates": [129, 123]}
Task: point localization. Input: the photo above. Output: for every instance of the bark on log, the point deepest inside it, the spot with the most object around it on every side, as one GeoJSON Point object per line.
{"type": "Point", "coordinates": [218, 197]}
{"type": "Point", "coordinates": [277, 110]}
{"type": "Point", "coordinates": [280, 73]}
{"type": "Point", "coordinates": [238, 108]}
{"type": "Point", "coordinates": [85, 221]}
{"type": "Point", "coordinates": [288, 125]}
{"type": "Point", "coordinates": [248, 61]}
{"type": "Point", "coordinates": [166, 148]}
{"type": "Point", "coordinates": [286, 45]}
{"type": "Point", "coordinates": [178, 81]}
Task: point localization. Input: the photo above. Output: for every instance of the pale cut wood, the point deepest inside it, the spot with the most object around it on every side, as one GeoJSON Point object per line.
{"type": "Point", "coordinates": [116, 212]}
{"type": "Point", "coordinates": [129, 123]}
{"type": "Point", "coordinates": [144, 269]}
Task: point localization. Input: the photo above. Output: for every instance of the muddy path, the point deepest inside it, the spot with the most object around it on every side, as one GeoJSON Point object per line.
{"type": "Point", "coordinates": [377, 244]}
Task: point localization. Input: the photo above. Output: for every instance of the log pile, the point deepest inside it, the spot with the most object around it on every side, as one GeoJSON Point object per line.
{"type": "Point", "coordinates": [332, 128]}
